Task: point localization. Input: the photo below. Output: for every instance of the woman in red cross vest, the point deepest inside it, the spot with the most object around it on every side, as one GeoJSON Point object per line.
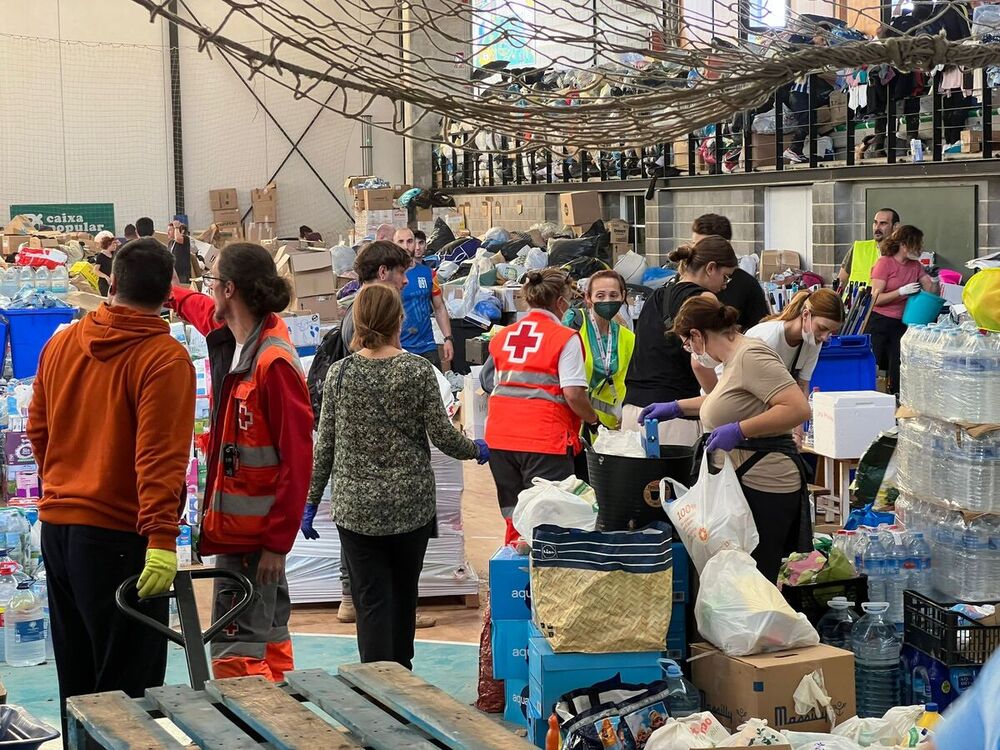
{"type": "Point", "coordinates": [259, 454]}
{"type": "Point", "coordinates": [540, 396]}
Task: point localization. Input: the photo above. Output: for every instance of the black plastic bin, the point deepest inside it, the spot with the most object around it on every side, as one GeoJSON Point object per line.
{"type": "Point", "coordinates": [813, 599]}
{"type": "Point", "coordinates": [627, 489]}
{"type": "Point", "coordinates": [945, 635]}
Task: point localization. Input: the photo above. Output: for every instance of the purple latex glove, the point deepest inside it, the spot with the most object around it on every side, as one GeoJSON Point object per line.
{"type": "Point", "coordinates": [484, 452]}
{"type": "Point", "coordinates": [661, 412]}
{"type": "Point", "coordinates": [725, 438]}
{"type": "Point", "coordinates": [308, 516]}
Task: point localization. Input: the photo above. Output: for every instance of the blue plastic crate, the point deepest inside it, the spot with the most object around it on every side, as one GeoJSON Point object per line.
{"type": "Point", "coordinates": [510, 649]}
{"type": "Point", "coordinates": [552, 675]}
{"type": "Point", "coordinates": [846, 363]}
{"type": "Point", "coordinates": [29, 331]}
{"type": "Point", "coordinates": [516, 702]}
{"type": "Point", "coordinates": [510, 595]}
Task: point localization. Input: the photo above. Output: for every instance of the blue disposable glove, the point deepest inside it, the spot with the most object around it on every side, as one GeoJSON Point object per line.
{"type": "Point", "coordinates": [661, 412]}
{"type": "Point", "coordinates": [308, 516]}
{"type": "Point", "coordinates": [725, 438]}
{"type": "Point", "coordinates": [484, 452]}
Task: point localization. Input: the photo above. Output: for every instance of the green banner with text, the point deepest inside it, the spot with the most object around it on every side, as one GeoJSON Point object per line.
{"type": "Point", "coordinates": [68, 217]}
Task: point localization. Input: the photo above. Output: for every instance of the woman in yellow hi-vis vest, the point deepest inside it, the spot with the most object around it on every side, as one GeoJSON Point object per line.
{"type": "Point", "coordinates": [607, 345]}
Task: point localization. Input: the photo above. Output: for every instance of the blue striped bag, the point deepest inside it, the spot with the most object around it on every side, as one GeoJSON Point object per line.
{"type": "Point", "coordinates": [602, 591]}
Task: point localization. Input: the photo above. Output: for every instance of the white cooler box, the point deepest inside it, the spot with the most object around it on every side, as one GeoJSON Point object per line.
{"type": "Point", "coordinates": [846, 422]}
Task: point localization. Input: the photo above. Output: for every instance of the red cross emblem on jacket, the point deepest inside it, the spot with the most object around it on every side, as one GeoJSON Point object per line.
{"type": "Point", "coordinates": [523, 341]}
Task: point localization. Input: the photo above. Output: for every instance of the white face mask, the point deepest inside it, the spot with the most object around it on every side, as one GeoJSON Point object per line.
{"type": "Point", "coordinates": [707, 360]}
{"type": "Point", "coordinates": [807, 333]}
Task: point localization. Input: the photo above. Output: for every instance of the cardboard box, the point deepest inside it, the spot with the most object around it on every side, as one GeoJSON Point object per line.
{"type": "Point", "coordinates": [223, 198]}
{"type": "Point", "coordinates": [474, 400]}
{"type": "Point", "coordinates": [352, 182]}
{"type": "Point", "coordinates": [765, 149]}
{"type": "Point", "coordinates": [580, 208]}
{"type": "Point", "coordinates": [516, 703]}
{"type": "Point", "coordinates": [617, 251]}
{"type": "Point", "coordinates": [845, 423]}
{"type": "Point", "coordinates": [972, 141]}
{"type": "Point", "coordinates": [17, 449]}
{"type": "Point", "coordinates": [520, 303]}
{"type": "Point", "coordinates": [838, 107]}
{"type": "Point", "coordinates": [618, 228]}
{"type": "Point", "coordinates": [309, 271]}
{"type": "Point", "coordinates": [260, 232]}
{"type": "Point", "coordinates": [739, 688]}
{"type": "Point", "coordinates": [777, 261]}
{"type": "Point", "coordinates": [510, 588]}
{"type": "Point", "coordinates": [227, 233]}
{"type": "Point", "coordinates": [378, 199]}
{"type": "Point", "coordinates": [264, 202]}
{"type": "Point", "coordinates": [509, 639]}
{"type": "Point", "coordinates": [227, 216]}
{"type": "Point", "coordinates": [323, 305]}
{"type": "Point", "coordinates": [423, 215]}
{"type": "Point", "coordinates": [476, 351]}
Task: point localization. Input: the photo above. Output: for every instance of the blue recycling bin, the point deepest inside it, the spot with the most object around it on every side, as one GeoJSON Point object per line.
{"type": "Point", "coordinates": [29, 330]}
{"type": "Point", "coordinates": [846, 363]}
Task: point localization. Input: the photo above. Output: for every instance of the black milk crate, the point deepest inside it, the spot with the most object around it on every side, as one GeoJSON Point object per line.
{"type": "Point", "coordinates": [812, 599]}
{"type": "Point", "coordinates": [947, 636]}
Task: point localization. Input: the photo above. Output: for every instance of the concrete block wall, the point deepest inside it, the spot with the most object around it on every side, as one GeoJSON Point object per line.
{"type": "Point", "coordinates": [834, 225]}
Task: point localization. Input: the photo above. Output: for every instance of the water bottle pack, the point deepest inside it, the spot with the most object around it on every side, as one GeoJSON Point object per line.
{"type": "Point", "coordinates": [951, 372]}
{"type": "Point", "coordinates": [943, 462]}
{"type": "Point", "coordinates": [19, 282]}
{"type": "Point", "coordinates": [966, 565]}
{"type": "Point", "coordinates": [895, 560]}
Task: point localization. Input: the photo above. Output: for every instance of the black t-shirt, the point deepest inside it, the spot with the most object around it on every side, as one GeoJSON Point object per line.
{"type": "Point", "coordinates": [660, 369]}
{"type": "Point", "coordinates": [104, 266]}
{"type": "Point", "coordinates": [182, 260]}
{"type": "Point", "coordinates": [745, 294]}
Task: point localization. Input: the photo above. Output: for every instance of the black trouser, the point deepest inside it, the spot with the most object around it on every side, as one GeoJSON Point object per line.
{"type": "Point", "coordinates": [513, 471]}
{"type": "Point", "coordinates": [777, 516]}
{"type": "Point", "coordinates": [384, 572]}
{"type": "Point", "coordinates": [98, 647]}
{"type": "Point", "coordinates": [887, 333]}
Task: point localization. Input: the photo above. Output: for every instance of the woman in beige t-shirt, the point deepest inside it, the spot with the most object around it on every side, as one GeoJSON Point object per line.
{"type": "Point", "coordinates": [751, 414]}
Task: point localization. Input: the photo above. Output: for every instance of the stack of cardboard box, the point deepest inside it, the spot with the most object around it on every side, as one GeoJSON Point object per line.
{"type": "Point", "coordinates": [309, 270]}
{"type": "Point", "coordinates": [620, 243]}
{"type": "Point", "coordinates": [226, 213]}
{"type": "Point", "coordinates": [265, 205]}
{"type": "Point", "coordinates": [580, 209]}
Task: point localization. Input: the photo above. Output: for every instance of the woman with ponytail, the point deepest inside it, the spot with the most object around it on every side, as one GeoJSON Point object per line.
{"type": "Point", "coordinates": [751, 414]}
{"type": "Point", "coordinates": [800, 330]}
{"type": "Point", "coordinates": [259, 452]}
{"type": "Point", "coordinates": [660, 371]}
{"type": "Point", "coordinates": [896, 276]}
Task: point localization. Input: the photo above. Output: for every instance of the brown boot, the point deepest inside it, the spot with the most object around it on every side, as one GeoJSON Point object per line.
{"type": "Point", "coordinates": [425, 621]}
{"type": "Point", "coordinates": [346, 612]}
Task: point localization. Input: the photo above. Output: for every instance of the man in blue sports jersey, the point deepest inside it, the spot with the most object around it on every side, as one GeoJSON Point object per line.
{"type": "Point", "coordinates": [422, 299]}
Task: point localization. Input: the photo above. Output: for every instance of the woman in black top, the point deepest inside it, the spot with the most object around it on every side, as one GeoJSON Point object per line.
{"type": "Point", "coordinates": [660, 369]}
{"type": "Point", "coordinates": [108, 244]}
{"type": "Point", "coordinates": [180, 248]}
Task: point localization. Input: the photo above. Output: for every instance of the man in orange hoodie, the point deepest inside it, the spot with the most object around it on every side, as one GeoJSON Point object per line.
{"type": "Point", "coordinates": [113, 479]}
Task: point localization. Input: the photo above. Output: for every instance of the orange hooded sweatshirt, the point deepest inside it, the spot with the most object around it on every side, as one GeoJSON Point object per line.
{"type": "Point", "coordinates": [111, 422]}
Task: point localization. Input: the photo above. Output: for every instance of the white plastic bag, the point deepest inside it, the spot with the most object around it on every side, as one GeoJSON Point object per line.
{"type": "Point", "coordinates": [676, 736]}
{"type": "Point", "coordinates": [819, 741]}
{"type": "Point", "coordinates": [704, 724]}
{"type": "Point", "coordinates": [619, 443]}
{"type": "Point", "coordinates": [742, 613]}
{"type": "Point", "coordinates": [888, 730]}
{"type": "Point", "coordinates": [755, 732]}
{"type": "Point", "coordinates": [711, 516]}
{"type": "Point", "coordinates": [569, 503]}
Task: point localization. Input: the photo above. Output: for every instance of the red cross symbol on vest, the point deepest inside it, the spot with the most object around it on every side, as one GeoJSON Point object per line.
{"type": "Point", "coordinates": [522, 342]}
{"type": "Point", "coordinates": [231, 629]}
{"type": "Point", "coordinates": [245, 419]}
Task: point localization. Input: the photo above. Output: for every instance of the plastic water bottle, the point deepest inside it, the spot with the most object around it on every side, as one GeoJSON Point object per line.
{"type": "Point", "coordinates": [42, 283]}
{"type": "Point", "coordinates": [60, 281]}
{"type": "Point", "coordinates": [684, 697]}
{"type": "Point", "coordinates": [810, 432]}
{"type": "Point", "coordinates": [836, 625]}
{"type": "Point", "coordinates": [8, 587]}
{"type": "Point", "coordinates": [41, 590]}
{"type": "Point", "coordinates": [876, 646]}
{"type": "Point", "coordinates": [9, 284]}
{"type": "Point", "coordinates": [24, 628]}
{"type": "Point", "coordinates": [873, 562]}
{"type": "Point", "coordinates": [919, 564]}
{"type": "Point", "coordinates": [896, 582]}
{"type": "Point", "coordinates": [25, 279]}
{"type": "Point", "coordinates": [860, 546]}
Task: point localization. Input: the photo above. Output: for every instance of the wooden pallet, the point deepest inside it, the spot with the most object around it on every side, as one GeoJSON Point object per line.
{"type": "Point", "coordinates": [381, 706]}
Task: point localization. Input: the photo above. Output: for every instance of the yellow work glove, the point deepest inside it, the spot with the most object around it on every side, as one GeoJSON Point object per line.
{"type": "Point", "coordinates": [158, 574]}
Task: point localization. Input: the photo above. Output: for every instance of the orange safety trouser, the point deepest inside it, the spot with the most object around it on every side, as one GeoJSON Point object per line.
{"type": "Point", "coordinates": [277, 660]}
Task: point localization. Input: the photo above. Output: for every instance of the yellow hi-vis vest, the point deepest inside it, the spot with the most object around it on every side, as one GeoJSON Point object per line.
{"type": "Point", "coordinates": [607, 398]}
{"type": "Point", "coordinates": [864, 256]}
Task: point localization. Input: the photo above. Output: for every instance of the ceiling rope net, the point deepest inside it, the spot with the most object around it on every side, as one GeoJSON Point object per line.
{"type": "Point", "coordinates": [594, 74]}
